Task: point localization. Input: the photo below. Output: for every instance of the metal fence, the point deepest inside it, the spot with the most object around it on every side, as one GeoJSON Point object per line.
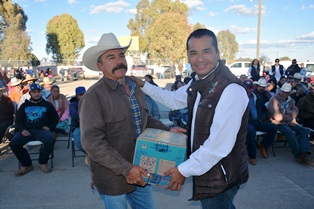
{"type": "Point", "coordinates": [14, 63]}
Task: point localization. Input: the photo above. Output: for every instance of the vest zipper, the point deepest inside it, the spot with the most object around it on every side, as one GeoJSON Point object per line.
{"type": "Point", "coordinates": [224, 172]}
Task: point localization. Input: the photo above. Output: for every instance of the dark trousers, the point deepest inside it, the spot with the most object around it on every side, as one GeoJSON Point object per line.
{"type": "Point", "coordinates": [3, 127]}
{"type": "Point", "coordinates": [18, 141]}
{"type": "Point", "coordinates": [268, 138]}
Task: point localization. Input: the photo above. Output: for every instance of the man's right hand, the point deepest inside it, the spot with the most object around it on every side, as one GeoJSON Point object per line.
{"type": "Point", "coordinates": [25, 133]}
{"type": "Point", "coordinates": [138, 81]}
{"type": "Point", "coordinates": [135, 176]}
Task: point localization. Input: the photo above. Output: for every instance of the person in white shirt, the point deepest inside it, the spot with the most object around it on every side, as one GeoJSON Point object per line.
{"type": "Point", "coordinates": [218, 115]}
{"type": "Point", "coordinates": [277, 70]}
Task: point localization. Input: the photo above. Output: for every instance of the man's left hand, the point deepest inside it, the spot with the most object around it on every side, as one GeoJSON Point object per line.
{"type": "Point", "coordinates": [177, 179]}
{"type": "Point", "coordinates": [177, 130]}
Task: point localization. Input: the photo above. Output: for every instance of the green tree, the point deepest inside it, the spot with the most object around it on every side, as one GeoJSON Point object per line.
{"type": "Point", "coordinates": [148, 13]}
{"type": "Point", "coordinates": [198, 26]}
{"type": "Point", "coordinates": [168, 36]}
{"type": "Point", "coordinates": [140, 23]}
{"type": "Point", "coordinates": [64, 38]}
{"type": "Point", "coordinates": [14, 41]}
{"type": "Point", "coordinates": [227, 44]}
{"type": "Point", "coordinates": [284, 58]}
{"type": "Point", "coordinates": [264, 59]}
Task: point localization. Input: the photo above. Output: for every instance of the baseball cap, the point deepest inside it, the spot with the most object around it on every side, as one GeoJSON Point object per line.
{"type": "Point", "coordinates": [248, 83]}
{"type": "Point", "coordinates": [34, 87]}
{"type": "Point", "coordinates": [80, 90]}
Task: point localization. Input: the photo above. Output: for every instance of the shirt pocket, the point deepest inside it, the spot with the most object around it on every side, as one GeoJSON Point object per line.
{"type": "Point", "coordinates": [115, 124]}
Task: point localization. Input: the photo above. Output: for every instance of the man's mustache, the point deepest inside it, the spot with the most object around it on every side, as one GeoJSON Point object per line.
{"type": "Point", "coordinates": [120, 66]}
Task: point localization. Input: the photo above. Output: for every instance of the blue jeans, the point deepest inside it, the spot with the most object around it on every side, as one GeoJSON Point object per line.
{"type": "Point", "coordinates": [268, 138]}
{"type": "Point", "coordinates": [18, 141]}
{"type": "Point", "coordinates": [64, 125]}
{"type": "Point", "coordinates": [298, 144]}
{"type": "Point", "coordinates": [221, 201]}
{"type": "Point", "coordinates": [141, 198]}
{"type": "Point", "coordinates": [77, 139]}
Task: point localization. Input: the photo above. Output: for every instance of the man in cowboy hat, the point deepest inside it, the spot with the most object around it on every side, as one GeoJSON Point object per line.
{"type": "Point", "coordinates": [283, 113]}
{"type": "Point", "coordinates": [35, 120]}
{"type": "Point", "coordinates": [15, 93]}
{"type": "Point", "coordinates": [27, 82]}
{"type": "Point", "coordinates": [6, 111]}
{"type": "Point", "coordinates": [47, 84]}
{"type": "Point", "coordinates": [298, 88]}
{"type": "Point", "coordinates": [113, 113]}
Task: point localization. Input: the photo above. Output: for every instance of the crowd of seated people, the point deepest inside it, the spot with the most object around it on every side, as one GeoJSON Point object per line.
{"type": "Point", "coordinates": [286, 106]}
{"type": "Point", "coordinates": [34, 109]}
{"type": "Point", "coordinates": [289, 105]}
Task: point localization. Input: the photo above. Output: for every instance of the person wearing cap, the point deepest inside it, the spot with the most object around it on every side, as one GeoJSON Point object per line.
{"type": "Point", "coordinates": [306, 108]}
{"type": "Point", "coordinates": [75, 118]}
{"type": "Point", "coordinates": [6, 111]}
{"type": "Point", "coordinates": [283, 113]}
{"type": "Point", "coordinates": [29, 80]}
{"type": "Point", "coordinates": [292, 69]}
{"type": "Point", "coordinates": [35, 121]}
{"type": "Point", "coordinates": [15, 93]}
{"type": "Point", "coordinates": [258, 122]}
{"type": "Point", "coordinates": [113, 113]}
{"type": "Point", "coordinates": [298, 88]}
{"type": "Point", "coordinates": [218, 114]}
{"type": "Point", "coordinates": [277, 70]}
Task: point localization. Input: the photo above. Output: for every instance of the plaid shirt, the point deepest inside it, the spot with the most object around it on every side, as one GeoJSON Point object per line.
{"type": "Point", "coordinates": [134, 106]}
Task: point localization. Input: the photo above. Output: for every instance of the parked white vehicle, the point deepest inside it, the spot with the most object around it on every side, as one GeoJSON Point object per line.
{"type": "Point", "coordinates": [239, 68]}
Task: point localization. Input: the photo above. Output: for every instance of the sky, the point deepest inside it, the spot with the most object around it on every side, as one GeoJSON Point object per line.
{"type": "Point", "coordinates": [287, 26]}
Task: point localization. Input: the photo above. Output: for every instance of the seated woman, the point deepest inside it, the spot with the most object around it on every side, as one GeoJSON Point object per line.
{"type": "Point", "coordinates": [6, 111]}
{"type": "Point", "coordinates": [61, 105]}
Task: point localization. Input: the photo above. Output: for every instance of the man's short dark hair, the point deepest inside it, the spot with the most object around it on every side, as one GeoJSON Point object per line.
{"type": "Point", "coordinates": [199, 33]}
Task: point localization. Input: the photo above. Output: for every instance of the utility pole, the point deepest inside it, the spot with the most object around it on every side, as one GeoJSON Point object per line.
{"type": "Point", "coordinates": [259, 29]}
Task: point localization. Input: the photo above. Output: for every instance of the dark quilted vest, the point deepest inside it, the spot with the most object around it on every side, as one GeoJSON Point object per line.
{"type": "Point", "coordinates": [235, 164]}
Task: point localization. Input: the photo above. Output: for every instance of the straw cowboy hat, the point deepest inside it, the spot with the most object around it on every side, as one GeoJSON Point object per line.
{"type": "Point", "coordinates": [29, 78]}
{"type": "Point", "coordinates": [297, 76]}
{"type": "Point", "coordinates": [286, 87]}
{"type": "Point", "coordinates": [14, 81]}
{"type": "Point", "coordinates": [261, 82]}
{"type": "Point", "coordinates": [107, 42]}
{"type": "Point", "coordinates": [46, 80]}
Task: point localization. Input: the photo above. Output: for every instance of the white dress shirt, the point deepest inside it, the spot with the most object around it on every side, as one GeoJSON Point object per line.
{"type": "Point", "coordinates": [224, 129]}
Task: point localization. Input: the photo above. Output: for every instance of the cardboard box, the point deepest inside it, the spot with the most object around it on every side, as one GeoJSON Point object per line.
{"type": "Point", "coordinates": [157, 151]}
